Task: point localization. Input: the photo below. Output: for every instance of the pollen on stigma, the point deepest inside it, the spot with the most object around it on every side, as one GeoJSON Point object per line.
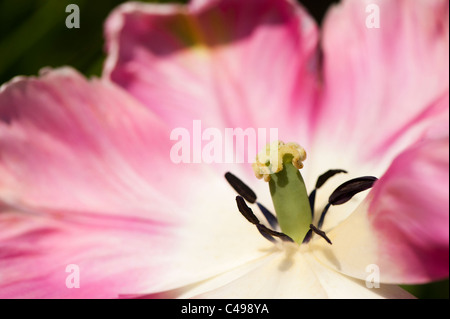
{"type": "Point", "coordinates": [270, 160]}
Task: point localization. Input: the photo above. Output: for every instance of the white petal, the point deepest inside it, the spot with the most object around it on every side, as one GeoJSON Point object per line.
{"type": "Point", "coordinates": [289, 273]}
{"type": "Point", "coordinates": [214, 237]}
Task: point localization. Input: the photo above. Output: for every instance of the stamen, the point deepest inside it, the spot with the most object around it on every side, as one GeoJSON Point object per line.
{"type": "Point", "coordinates": [344, 192]}
{"type": "Point", "coordinates": [241, 188]}
{"type": "Point", "coordinates": [249, 195]}
{"type": "Point", "coordinates": [327, 175]}
{"type": "Point", "coordinates": [264, 230]}
{"type": "Point", "coordinates": [271, 219]}
{"type": "Point", "coordinates": [320, 233]}
{"type": "Point", "coordinates": [312, 200]}
{"type": "Point", "coordinates": [246, 211]}
{"type": "Point", "coordinates": [320, 181]}
{"type": "Point", "coordinates": [265, 234]}
{"type": "Point", "coordinates": [307, 237]}
{"type": "Point", "coordinates": [322, 216]}
{"type": "Point", "coordinates": [347, 190]}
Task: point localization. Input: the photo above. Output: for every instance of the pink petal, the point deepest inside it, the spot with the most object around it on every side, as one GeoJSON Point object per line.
{"type": "Point", "coordinates": [410, 210]}
{"type": "Point", "coordinates": [228, 63]}
{"type": "Point", "coordinates": [403, 225]}
{"type": "Point", "coordinates": [112, 256]}
{"type": "Point", "coordinates": [86, 179]}
{"type": "Point", "coordinates": [84, 146]}
{"type": "Point", "coordinates": [381, 84]}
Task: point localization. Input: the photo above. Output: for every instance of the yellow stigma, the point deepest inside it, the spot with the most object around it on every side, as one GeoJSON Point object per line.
{"type": "Point", "coordinates": [270, 160]}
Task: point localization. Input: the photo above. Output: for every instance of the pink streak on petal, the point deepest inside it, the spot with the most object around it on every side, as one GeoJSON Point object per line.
{"type": "Point", "coordinates": [230, 63]}
{"type": "Point", "coordinates": [402, 226]}
{"type": "Point", "coordinates": [380, 84]}
{"type": "Point", "coordinates": [85, 178]}
{"type": "Point", "coordinates": [113, 255]}
{"type": "Point", "coordinates": [410, 212]}
{"type": "Point", "coordinates": [66, 143]}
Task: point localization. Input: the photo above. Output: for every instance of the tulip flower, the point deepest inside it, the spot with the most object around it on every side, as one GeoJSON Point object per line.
{"type": "Point", "coordinates": [94, 205]}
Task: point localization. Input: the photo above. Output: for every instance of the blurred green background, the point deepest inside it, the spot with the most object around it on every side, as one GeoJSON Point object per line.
{"type": "Point", "coordinates": [33, 35]}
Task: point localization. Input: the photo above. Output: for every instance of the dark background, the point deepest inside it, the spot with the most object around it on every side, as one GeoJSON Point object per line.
{"type": "Point", "coordinates": [33, 35]}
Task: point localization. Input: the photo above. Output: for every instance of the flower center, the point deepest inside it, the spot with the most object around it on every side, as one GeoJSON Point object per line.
{"type": "Point", "coordinates": [279, 164]}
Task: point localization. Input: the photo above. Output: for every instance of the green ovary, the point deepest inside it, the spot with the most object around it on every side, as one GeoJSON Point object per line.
{"type": "Point", "coordinates": [290, 200]}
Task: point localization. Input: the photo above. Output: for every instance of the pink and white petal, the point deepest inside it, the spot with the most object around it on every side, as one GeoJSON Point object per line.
{"type": "Point", "coordinates": [78, 257]}
{"type": "Point", "coordinates": [229, 63]}
{"type": "Point", "coordinates": [214, 238]}
{"type": "Point", "coordinates": [67, 143]}
{"type": "Point", "coordinates": [75, 149]}
{"type": "Point", "coordinates": [345, 156]}
{"type": "Point", "coordinates": [402, 225]}
{"type": "Point", "coordinates": [381, 84]}
{"type": "Point", "coordinates": [69, 150]}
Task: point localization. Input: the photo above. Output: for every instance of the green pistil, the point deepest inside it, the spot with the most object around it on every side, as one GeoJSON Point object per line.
{"type": "Point", "coordinates": [290, 200]}
{"type": "Point", "coordinates": [288, 191]}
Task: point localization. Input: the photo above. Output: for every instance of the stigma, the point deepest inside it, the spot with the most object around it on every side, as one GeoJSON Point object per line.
{"type": "Point", "coordinates": [270, 160]}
